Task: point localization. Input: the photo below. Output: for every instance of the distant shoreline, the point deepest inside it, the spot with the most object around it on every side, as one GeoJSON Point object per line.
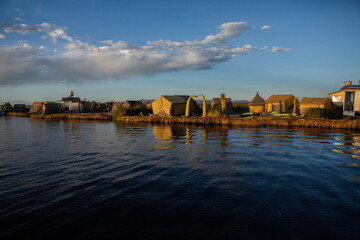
{"type": "Point", "coordinates": [65, 116]}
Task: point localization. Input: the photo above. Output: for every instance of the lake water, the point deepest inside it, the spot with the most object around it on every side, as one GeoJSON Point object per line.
{"type": "Point", "coordinates": [101, 180]}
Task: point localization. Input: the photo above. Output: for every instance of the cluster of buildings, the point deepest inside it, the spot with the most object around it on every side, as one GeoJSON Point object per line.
{"type": "Point", "coordinates": [347, 97]}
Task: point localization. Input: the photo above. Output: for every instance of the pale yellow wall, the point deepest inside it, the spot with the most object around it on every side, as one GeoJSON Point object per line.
{"type": "Point", "coordinates": [304, 108]}
{"type": "Point", "coordinates": [357, 101]}
{"type": "Point", "coordinates": [256, 109]}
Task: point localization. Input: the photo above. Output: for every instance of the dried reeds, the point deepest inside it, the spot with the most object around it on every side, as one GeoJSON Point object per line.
{"type": "Point", "coordinates": [249, 121]}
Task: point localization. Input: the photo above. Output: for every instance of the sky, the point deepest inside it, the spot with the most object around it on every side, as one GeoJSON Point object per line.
{"type": "Point", "coordinates": [133, 50]}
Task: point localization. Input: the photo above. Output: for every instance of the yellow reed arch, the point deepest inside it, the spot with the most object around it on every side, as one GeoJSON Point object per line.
{"type": "Point", "coordinates": [188, 105]}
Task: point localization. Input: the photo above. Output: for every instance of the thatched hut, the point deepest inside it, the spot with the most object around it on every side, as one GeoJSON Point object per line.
{"type": "Point", "coordinates": [127, 105]}
{"type": "Point", "coordinates": [257, 105]}
{"type": "Point", "coordinates": [36, 108]}
{"type": "Point", "coordinates": [315, 102]}
{"type": "Point", "coordinates": [279, 103]}
{"type": "Point", "coordinates": [173, 105]}
{"type": "Point", "coordinates": [216, 102]}
{"type": "Point", "coordinates": [50, 108]}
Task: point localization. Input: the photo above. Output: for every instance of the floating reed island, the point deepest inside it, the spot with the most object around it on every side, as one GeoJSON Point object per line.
{"type": "Point", "coordinates": [258, 121]}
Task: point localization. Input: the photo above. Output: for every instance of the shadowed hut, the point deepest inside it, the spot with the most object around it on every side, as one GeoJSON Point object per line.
{"type": "Point", "coordinates": [116, 105]}
{"type": "Point", "coordinates": [36, 108]}
{"type": "Point", "coordinates": [50, 108]}
{"type": "Point", "coordinates": [257, 105]}
{"type": "Point", "coordinates": [127, 105]}
{"type": "Point", "coordinates": [148, 103]}
{"type": "Point", "coordinates": [316, 102]}
{"type": "Point", "coordinates": [279, 103]}
{"type": "Point", "coordinates": [20, 108]}
{"type": "Point", "coordinates": [132, 104]}
{"type": "Point", "coordinates": [216, 103]}
{"type": "Point", "coordinates": [173, 105]}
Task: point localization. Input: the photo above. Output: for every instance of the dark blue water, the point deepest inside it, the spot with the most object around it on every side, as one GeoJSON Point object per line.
{"type": "Point", "coordinates": [101, 180]}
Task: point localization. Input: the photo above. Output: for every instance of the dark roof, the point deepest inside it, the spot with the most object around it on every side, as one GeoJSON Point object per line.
{"type": "Point", "coordinates": [349, 88]}
{"type": "Point", "coordinates": [178, 98]}
{"type": "Point", "coordinates": [257, 100]}
{"type": "Point", "coordinates": [73, 99]}
{"type": "Point", "coordinates": [133, 103]}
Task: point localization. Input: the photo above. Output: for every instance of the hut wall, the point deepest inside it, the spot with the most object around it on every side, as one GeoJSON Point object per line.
{"type": "Point", "coordinates": [304, 108]}
{"type": "Point", "coordinates": [357, 101]}
{"type": "Point", "coordinates": [178, 109]}
{"type": "Point", "coordinates": [257, 109]}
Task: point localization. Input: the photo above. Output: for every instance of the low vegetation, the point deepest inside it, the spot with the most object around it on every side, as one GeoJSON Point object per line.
{"type": "Point", "coordinates": [134, 111]}
{"type": "Point", "coordinates": [329, 113]}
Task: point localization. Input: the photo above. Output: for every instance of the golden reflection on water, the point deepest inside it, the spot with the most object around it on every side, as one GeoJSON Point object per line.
{"type": "Point", "coordinates": [163, 137]}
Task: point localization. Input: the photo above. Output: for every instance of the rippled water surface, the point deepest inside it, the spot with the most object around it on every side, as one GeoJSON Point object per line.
{"type": "Point", "coordinates": [100, 180]}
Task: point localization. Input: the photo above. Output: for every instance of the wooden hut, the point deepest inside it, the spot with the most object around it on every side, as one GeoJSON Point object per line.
{"type": "Point", "coordinates": [257, 105]}
{"type": "Point", "coordinates": [216, 102]}
{"type": "Point", "coordinates": [279, 103]}
{"type": "Point", "coordinates": [173, 105]}
{"type": "Point", "coordinates": [315, 102]}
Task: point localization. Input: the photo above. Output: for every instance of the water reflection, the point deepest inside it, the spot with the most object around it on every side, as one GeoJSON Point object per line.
{"type": "Point", "coordinates": [165, 135]}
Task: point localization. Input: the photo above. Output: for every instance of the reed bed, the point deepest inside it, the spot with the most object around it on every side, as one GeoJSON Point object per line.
{"type": "Point", "coordinates": [18, 114]}
{"type": "Point", "coordinates": [82, 116]}
{"type": "Point", "coordinates": [353, 124]}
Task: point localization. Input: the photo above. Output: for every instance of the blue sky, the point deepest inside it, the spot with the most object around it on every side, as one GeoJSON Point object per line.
{"type": "Point", "coordinates": [121, 50]}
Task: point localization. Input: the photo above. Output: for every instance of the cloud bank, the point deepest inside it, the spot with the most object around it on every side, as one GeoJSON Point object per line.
{"type": "Point", "coordinates": [82, 61]}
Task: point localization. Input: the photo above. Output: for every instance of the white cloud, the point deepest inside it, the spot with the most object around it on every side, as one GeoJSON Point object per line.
{"type": "Point", "coordinates": [265, 27]}
{"type": "Point", "coordinates": [82, 61]}
{"type": "Point", "coordinates": [20, 28]}
{"type": "Point", "coordinates": [229, 30]}
{"type": "Point", "coordinates": [52, 31]}
{"type": "Point", "coordinates": [280, 49]}
{"type": "Point", "coordinates": [2, 36]}
{"type": "Point", "coordinates": [19, 19]}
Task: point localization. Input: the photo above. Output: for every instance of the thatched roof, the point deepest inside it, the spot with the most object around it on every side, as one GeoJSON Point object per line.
{"type": "Point", "coordinates": [279, 98]}
{"type": "Point", "coordinates": [315, 101]}
{"type": "Point", "coordinates": [257, 100]}
{"type": "Point", "coordinates": [178, 98]}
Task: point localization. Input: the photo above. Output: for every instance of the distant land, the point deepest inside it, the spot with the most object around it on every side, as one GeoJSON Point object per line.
{"type": "Point", "coordinates": [235, 101]}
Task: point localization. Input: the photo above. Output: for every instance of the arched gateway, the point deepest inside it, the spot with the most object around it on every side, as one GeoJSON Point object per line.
{"type": "Point", "coordinates": [188, 105]}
